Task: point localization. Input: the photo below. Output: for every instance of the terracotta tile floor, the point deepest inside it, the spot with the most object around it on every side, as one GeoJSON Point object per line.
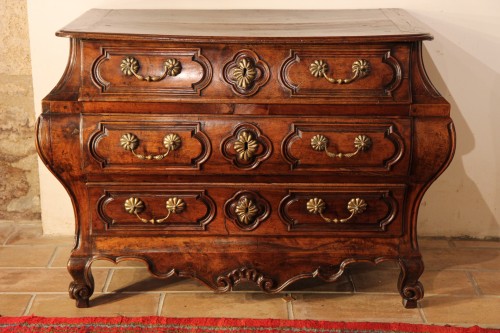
{"type": "Point", "coordinates": [462, 287]}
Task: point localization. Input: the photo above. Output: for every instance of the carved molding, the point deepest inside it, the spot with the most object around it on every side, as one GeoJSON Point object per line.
{"type": "Point", "coordinates": [70, 73]}
{"type": "Point", "coordinates": [228, 280]}
{"type": "Point", "coordinates": [246, 147]}
{"type": "Point", "coordinates": [389, 130]}
{"type": "Point", "coordinates": [398, 74]}
{"type": "Point", "coordinates": [246, 73]}
{"type": "Point", "coordinates": [188, 88]}
{"type": "Point", "coordinates": [194, 130]}
{"type": "Point", "coordinates": [302, 220]}
{"type": "Point", "coordinates": [203, 218]}
{"type": "Point", "coordinates": [247, 210]}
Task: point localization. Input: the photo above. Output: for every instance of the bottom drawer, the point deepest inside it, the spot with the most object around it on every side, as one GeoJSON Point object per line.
{"type": "Point", "coordinates": [248, 209]}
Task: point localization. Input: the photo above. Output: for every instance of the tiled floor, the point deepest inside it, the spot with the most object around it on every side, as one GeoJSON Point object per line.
{"type": "Point", "coordinates": [462, 287]}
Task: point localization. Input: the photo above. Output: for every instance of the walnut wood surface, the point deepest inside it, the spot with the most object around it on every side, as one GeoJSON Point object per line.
{"type": "Point", "coordinates": [353, 25]}
{"type": "Point", "coordinates": [245, 167]}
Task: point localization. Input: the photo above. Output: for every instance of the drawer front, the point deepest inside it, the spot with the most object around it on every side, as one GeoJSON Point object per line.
{"type": "Point", "coordinates": [146, 71]}
{"type": "Point", "coordinates": [341, 209]}
{"type": "Point", "coordinates": [246, 146]}
{"type": "Point", "coordinates": [152, 209]}
{"type": "Point", "coordinates": [354, 146]}
{"type": "Point", "coordinates": [165, 145]}
{"type": "Point", "coordinates": [248, 209]}
{"type": "Point", "coordinates": [249, 73]}
{"type": "Point", "coordinates": [364, 73]}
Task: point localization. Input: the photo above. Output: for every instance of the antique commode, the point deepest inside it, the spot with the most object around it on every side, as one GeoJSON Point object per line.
{"type": "Point", "coordinates": [229, 146]}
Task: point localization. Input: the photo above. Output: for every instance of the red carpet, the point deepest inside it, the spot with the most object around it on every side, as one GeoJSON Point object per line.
{"type": "Point", "coordinates": [212, 325]}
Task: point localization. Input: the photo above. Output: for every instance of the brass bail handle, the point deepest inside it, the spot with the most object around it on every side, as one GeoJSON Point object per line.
{"type": "Point", "coordinates": [360, 68]}
{"type": "Point", "coordinates": [130, 66]}
{"type": "Point", "coordinates": [355, 206]}
{"type": "Point", "coordinates": [130, 142]}
{"type": "Point", "coordinates": [135, 206]}
{"type": "Point", "coordinates": [361, 143]}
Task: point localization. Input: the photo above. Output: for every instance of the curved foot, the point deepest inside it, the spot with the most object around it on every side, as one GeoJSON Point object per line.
{"type": "Point", "coordinates": [82, 286]}
{"type": "Point", "coordinates": [409, 287]}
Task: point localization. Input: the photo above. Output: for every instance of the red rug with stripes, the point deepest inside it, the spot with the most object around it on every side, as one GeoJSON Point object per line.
{"type": "Point", "coordinates": [212, 325]}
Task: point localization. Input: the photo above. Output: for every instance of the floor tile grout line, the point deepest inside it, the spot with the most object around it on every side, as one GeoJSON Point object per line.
{"type": "Point", "coordinates": [10, 235]}
{"type": "Point", "coordinates": [349, 277]}
{"type": "Point", "coordinates": [160, 304]}
{"type": "Point", "coordinates": [289, 307]}
{"type": "Point", "coordinates": [52, 258]}
{"type": "Point", "coordinates": [29, 305]}
{"type": "Point", "coordinates": [108, 280]}
{"type": "Point", "coordinates": [422, 313]}
{"type": "Point", "coordinates": [475, 285]}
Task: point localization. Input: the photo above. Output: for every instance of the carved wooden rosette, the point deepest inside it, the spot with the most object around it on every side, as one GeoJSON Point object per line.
{"type": "Point", "coordinates": [246, 147]}
{"type": "Point", "coordinates": [246, 73]}
{"type": "Point", "coordinates": [247, 210]}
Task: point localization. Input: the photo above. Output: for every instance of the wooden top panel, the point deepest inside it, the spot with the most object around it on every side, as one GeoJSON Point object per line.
{"type": "Point", "coordinates": [261, 26]}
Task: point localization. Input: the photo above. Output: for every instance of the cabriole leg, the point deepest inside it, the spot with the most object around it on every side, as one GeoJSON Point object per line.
{"type": "Point", "coordinates": [409, 287]}
{"type": "Point", "coordinates": [82, 286]}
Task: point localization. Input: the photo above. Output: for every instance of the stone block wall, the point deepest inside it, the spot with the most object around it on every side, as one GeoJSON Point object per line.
{"type": "Point", "coordinates": [19, 183]}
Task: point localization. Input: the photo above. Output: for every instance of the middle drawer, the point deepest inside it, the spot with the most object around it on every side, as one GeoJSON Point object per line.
{"type": "Point", "coordinates": [246, 145]}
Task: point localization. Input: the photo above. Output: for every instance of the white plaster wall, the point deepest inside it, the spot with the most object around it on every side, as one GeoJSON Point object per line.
{"type": "Point", "coordinates": [462, 62]}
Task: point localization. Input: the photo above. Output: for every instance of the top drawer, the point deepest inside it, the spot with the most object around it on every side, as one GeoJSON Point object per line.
{"type": "Point", "coordinates": [148, 71]}
{"type": "Point", "coordinates": [271, 74]}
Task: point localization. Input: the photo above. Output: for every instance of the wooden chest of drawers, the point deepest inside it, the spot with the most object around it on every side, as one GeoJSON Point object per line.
{"type": "Point", "coordinates": [226, 146]}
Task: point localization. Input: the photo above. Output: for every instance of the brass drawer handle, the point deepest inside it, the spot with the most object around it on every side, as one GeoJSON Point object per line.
{"type": "Point", "coordinates": [130, 66]}
{"type": "Point", "coordinates": [320, 143]}
{"type": "Point", "coordinates": [355, 206]}
{"type": "Point", "coordinates": [360, 69]}
{"type": "Point", "coordinates": [130, 142]}
{"type": "Point", "coordinates": [246, 146]}
{"type": "Point", "coordinates": [135, 206]}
